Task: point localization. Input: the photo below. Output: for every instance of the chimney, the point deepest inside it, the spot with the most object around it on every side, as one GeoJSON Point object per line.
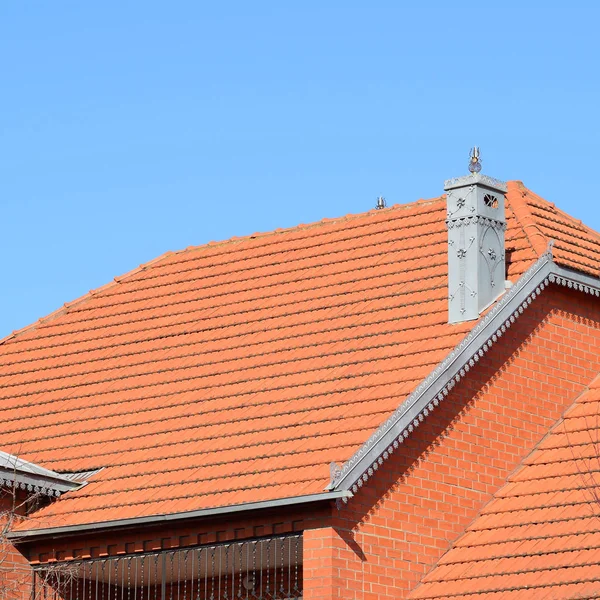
{"type": "Point", "coordinates": [476, 224]}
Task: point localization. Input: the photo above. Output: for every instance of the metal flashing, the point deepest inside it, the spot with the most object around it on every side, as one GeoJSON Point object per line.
{"type": "Point", "coordinates": [53, 532]}
{"type": "Point", "coordinates": [428, 395]}
{"type": "Point", "coordinates": [81, 476]}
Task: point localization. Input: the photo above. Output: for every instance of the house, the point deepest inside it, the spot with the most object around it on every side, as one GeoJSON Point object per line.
{"type": "Point", "coordinates": [396, 404]}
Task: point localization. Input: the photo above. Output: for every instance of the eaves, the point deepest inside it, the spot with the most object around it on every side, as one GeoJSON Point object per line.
{"type": "Point", "coordinates": [172, 519]}
{"type": "Point", "coordinates": [19, 474]}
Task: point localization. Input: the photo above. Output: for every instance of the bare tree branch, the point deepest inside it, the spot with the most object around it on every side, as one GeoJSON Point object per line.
{"type": "Point", "coordinates": [18, 581]}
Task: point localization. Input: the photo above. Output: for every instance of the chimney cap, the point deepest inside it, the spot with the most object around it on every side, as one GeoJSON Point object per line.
{"type": "Point", "coordinates": [474, 179]}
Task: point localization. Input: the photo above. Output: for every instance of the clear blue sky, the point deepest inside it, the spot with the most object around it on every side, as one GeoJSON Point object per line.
{"type": "Point", "coordinates": [130, 128]}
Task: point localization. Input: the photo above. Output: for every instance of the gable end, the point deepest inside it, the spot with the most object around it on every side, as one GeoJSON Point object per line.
{"type": "Point", "coordinates": [428, 395]}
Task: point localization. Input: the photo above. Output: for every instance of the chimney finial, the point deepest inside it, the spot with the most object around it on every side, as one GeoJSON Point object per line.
{"type": "Point", "coordinates": [474, 162]}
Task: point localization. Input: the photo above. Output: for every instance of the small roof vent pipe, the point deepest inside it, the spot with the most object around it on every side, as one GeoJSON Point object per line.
{"type": "Point", "coordinates": [476, 224]}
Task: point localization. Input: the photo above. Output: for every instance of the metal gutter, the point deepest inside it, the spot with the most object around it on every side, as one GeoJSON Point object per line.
{"type": "Point", "coordinates": [428, 395]}
{"type": "Point", "coordinates": [54, 532]}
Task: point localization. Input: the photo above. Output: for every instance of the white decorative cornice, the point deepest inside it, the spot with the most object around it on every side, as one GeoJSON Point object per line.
{"type": "Point", "coordinates": [475, 178]}
{"type": "Point", "coordinates": [428, 395]}
{"type": "Point", "coordinates": [29, 487]}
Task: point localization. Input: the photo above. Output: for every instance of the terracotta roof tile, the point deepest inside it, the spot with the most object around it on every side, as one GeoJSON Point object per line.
{"type": "Point", "coordinates": [237, 371]}
{"type": "Point", "coordinates": [540, 535]}
{"type": "Point", "coordinates": [577, 246]}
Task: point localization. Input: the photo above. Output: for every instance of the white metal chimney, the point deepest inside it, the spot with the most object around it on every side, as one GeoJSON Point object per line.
{"type": "Point", "coordinates": [476, 225]}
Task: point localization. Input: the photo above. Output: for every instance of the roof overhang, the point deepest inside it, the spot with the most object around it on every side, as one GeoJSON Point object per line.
{"type": "Point", "coordinates": [106, 526]}
{"type": "Point", "coordinates": [19, 474]}
{"type": "Point", "coordinates": [428, 395]}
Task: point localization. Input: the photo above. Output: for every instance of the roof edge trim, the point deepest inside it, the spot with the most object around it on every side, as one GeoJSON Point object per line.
{"type": "Point", "coordinates": [428, 395]}
{"type": "Point", "coordinates": [36, 484]}
{"type": "Point", "coordinates": [21, 474]}
{"type": "Point", "coordinates": [53, 532]}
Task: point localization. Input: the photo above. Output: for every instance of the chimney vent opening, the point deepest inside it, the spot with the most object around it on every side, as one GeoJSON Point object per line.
{"type": "Point", "coordinates": [490, 201]}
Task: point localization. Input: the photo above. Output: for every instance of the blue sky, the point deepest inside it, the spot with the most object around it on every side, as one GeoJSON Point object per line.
{"type": "Point", "coordinates": [132, 128]}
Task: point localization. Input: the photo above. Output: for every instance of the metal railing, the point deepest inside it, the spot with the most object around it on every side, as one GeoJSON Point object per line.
{"type": "Point", "coordinates": [260, 569]}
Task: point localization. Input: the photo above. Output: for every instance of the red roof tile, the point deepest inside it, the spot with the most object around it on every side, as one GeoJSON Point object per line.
{"type": "Point", "coordinates": [540, 535]}
{"type": "Point", "coordinates": [576, 246]}
{"type": "Point", "coordinates": [237, 371]}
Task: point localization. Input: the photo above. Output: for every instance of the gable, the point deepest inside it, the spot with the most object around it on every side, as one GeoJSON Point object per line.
{"type": "Point", "coordinates": [18, 474]}
{"type": "Point", "coordinates": [436, 387]}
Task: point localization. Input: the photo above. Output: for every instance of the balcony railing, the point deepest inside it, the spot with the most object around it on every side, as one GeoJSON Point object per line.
{"type": "Point", "coordinates": [260, 569]}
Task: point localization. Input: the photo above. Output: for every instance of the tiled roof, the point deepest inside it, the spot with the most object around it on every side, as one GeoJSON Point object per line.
{"type": "Point", "coordinates": [576, 246]}
{"type": "Point", "coordinates": [237, 371]}
{"type": "Point", "coordinates": [540, 535]}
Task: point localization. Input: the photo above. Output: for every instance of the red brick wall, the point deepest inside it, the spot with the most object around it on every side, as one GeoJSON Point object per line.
{"type": "Point", "coordinates": [15, 572]}
{"type": "Point", "coordinates": [402, 521]}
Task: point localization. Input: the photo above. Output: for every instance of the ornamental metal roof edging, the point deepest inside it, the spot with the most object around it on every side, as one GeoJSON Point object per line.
{"type": "Point", "coordinates": [23, 475]}
{"type": "Point", "coordinates": [427, 396]}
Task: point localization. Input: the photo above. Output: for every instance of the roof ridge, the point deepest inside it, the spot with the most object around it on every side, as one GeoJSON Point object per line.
{"type": "Point", "coordinates": [537, 239]}
{"type": "Point", "coordinates": [562, 213]}
{"type": "Point", "coordinates": [305, 226]}
{"type": "Point", "coordinates": [308, 226]}
{"type": "Point", "coordinates": [234, 239]}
